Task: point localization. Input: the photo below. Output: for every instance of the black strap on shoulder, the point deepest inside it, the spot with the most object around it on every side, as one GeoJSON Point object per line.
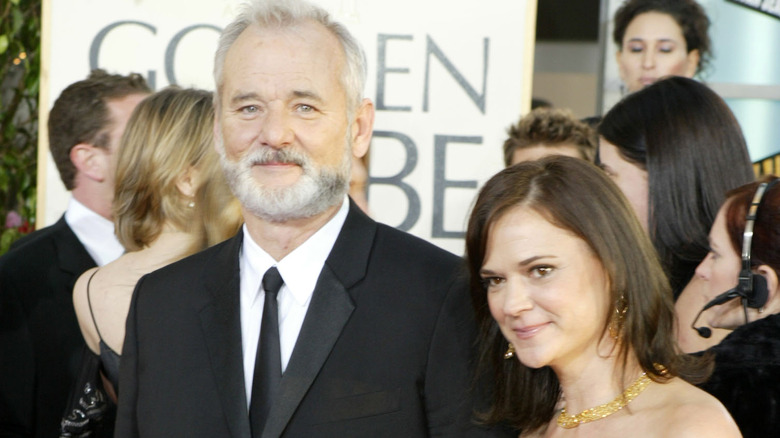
{"type": "Point", "coordinates": [89, 302]}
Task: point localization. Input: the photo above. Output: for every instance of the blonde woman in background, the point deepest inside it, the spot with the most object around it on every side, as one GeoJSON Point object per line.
{"type": "Point", "coordinates": [170, 201]}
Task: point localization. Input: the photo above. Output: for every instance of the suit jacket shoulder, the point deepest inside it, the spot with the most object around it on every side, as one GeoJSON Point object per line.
{"type": "Point", "coordinates": [55, 244]}
{"type": "Point", "coordinates": [367, 248]}
{"type": "Point", "coordinates": [49, 259]}
{"type": "Point", "coordinates": [206, 270]}
{"type": "Point", "coordinates": [38, 328]}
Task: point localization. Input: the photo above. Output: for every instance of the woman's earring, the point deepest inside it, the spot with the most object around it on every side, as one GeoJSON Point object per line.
{"type": "Point", "coordinates": [618, 318]}
{"type": "Point", "coordinates": [510, 352]}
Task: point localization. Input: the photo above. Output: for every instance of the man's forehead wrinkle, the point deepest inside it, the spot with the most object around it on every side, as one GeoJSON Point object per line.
{"type": "Point", "coordinates": [240, 96]}
{"type": "Point", "coordinates": [306, 94]}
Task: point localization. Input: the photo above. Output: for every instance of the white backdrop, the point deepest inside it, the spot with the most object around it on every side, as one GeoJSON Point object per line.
{"type": "Point", "coordinates": [447, 79]}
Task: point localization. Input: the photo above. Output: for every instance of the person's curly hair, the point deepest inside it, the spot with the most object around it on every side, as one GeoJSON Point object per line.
{"type": "Point", "coordinates": [550, 127]}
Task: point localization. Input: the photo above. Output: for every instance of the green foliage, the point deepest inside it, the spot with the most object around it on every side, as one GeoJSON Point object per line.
{"type": "Point", "coordinates": [20, 49]}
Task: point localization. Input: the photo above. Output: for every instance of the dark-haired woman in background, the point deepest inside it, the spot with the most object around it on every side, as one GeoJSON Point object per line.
{"type": "Point", "coordinates": [747, 362]}
{"type": "Point", "coordinates": [675, 149]}
{"type": "Point", "coordinates": [575, 313]}
{"type": "Point", "coordinates": [658, 38]}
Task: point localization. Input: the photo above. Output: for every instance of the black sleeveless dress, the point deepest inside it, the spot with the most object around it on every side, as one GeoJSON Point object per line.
{"type": "Point", "coordinates": [109, 359]}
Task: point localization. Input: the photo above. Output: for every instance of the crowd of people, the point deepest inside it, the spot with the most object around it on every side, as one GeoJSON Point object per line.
{"type": "Point", "coordinates": [217, 273]}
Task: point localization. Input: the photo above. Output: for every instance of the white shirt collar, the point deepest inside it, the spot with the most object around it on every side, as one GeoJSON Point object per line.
{"type": "Point", "coordinates": [94, 231]}
{"type": "Point", "coordinates": [301, 268]}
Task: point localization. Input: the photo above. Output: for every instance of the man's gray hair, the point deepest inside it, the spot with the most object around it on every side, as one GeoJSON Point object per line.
{"type": "Point", "coordinates": [286, 13]}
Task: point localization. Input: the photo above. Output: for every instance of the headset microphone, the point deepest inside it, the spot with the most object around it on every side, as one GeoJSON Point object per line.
{"type": "Point", "coordinates": [751, 287]}
{"type": "Point", "coordinates": [705, 332]}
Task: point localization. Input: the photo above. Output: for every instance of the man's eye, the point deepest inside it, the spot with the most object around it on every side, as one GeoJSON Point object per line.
{"type": "Point", "coordinates": [249, 109]}
{"type": "Point", "coordinates": [305, 108]}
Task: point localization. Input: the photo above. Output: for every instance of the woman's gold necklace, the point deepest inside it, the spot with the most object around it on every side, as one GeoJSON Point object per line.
{"type": "Point", "coordinates": [567, 421]}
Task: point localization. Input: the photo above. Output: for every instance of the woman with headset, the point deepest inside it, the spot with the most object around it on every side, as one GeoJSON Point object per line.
{"type": "Point", "coordinates": [741, 273]}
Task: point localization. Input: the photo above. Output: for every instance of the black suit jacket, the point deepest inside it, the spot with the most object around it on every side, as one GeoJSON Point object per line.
{"type": "Point", "coordinates": [40, 340]}
{"type": "Point", "coordinates": [385, 348]}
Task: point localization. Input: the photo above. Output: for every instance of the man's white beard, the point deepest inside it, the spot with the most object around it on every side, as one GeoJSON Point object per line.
{"type": "Point", "coordinates": [317, 189]}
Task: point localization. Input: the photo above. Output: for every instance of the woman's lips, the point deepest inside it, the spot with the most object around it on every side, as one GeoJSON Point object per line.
{"type": "Point", "coordinates": [647, 81]}
{"type": "Point", "coordinates": [529, 331]}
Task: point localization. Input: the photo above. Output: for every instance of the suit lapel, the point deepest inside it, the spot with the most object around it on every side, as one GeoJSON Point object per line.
{"type": "Point", "coordinates": [330, 309]}
{"type": "Point", "coordinates": [220, 320]}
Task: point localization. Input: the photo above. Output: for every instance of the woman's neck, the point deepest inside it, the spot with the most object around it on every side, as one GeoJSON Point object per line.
{"type": "Point", "coordinates": [594, 381]}
{"type": "Point", "coordinates": [171, 245]}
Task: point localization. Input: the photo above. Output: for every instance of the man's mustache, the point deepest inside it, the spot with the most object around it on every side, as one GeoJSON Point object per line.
{"type": "Point", "coordinates": [268, 155]}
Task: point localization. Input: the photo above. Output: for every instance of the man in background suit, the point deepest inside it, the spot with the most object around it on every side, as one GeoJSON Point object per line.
{"type": "Point", "coordinates": [40, 341]}
{"type": "Point", "coordinates": [374, 334]}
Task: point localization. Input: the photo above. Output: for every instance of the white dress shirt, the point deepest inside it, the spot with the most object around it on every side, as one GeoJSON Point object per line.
{"type": "Point", "coordinates": [300, 270]}
{"type": "Point", "coordinates": [94, 231]}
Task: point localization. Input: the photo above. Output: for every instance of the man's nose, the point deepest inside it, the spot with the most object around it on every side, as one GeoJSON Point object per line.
{"type": "Point", "coordinates": [276, 128]}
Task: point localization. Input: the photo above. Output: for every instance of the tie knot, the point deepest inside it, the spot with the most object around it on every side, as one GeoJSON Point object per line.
{"type": "Point", "coordinates": [272, 281]}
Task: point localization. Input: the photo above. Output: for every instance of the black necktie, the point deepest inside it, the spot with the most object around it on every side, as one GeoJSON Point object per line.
{"type": "Point", "coordinates": [268, 362]}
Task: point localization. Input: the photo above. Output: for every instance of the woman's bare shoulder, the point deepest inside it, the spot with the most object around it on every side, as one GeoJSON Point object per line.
{"type": "Point", "coordinates": [710, 420]}
{"type": "Point", "coordinates": [83, 313]}
{"type": "Point", "coordinates": [691, 412]}
{"type": "Point", "coordinates": [80, 287]}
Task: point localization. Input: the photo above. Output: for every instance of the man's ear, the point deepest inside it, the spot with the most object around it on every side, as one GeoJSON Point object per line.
{"type": "Point", "coordinates": [90, 161]}
{"type": "Point", "coordinates": [362, 128]}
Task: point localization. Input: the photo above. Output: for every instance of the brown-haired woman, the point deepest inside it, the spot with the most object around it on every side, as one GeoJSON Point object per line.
{"type": "Point", "coordinates": [576, 318]}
